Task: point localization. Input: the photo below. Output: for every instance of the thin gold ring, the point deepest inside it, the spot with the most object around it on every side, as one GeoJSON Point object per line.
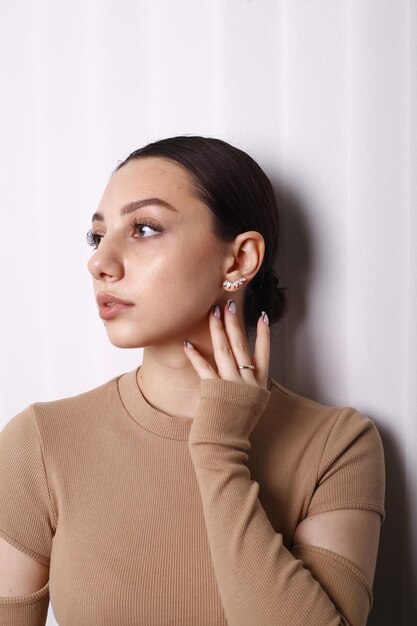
{"type": "Point", "coordinates": [246, 367]}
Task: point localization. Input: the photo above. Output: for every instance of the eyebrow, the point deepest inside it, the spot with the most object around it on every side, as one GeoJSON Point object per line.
{"type": "Point", "coordinates": [134, 206]}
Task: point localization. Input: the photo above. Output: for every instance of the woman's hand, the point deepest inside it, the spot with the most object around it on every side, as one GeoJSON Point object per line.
{"type": "Point", "coordinates": [230, 351]}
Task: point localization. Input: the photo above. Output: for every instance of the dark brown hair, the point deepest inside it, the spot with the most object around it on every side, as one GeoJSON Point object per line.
{"type": "Point", "coordinates": [240, 197]}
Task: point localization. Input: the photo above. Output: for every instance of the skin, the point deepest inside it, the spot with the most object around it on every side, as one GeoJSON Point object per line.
{"type": "Point", "coordinates": [174, 278]}
{"type": "Point", "coordinates": [157, 272]}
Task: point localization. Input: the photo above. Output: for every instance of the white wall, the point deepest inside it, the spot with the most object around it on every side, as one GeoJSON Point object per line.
{"type": "Point", "coordinates": [323, 95]}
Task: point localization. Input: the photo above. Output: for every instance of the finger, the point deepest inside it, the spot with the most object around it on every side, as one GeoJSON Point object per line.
{"type": "Point", "coordinates": [222, 352]}
{"type": "Point", "coordinates": [262, 351]}
{"type": "Point", "coordinates": [238, 343]}
{"type": "Point", "coordinates": [201, 366]}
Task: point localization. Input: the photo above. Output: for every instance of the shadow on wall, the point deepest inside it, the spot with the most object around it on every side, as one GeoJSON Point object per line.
{"type": "Point", "coordinates": [294, 267]}
{"type": "Point", "coordinates": [396, 537]}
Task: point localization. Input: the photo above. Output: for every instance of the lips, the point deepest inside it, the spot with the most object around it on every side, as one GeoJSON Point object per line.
{"type": "Point", "coordinates": [110, 305]}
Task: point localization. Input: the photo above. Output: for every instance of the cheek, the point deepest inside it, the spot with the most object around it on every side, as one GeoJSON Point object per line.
{"type": "Point", "coordinates": [200, 274]}
{"type": "Point", "coordinates": [189, 268]}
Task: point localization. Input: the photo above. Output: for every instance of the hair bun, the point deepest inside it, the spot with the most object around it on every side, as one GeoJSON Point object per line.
{"type": "Point", "coordinates": [268, 282]}
{"type": "Point", "coordinates": [264, 294]}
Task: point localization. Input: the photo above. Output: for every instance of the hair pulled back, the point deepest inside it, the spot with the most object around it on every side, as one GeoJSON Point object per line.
{"type": "Point", "coordinates": [240, 197]}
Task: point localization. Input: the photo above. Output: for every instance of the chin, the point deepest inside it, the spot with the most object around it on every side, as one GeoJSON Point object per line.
{"type": "Point", "coordinates": [129, 336]}
{"type": "Point", "coordinates": [123, 337]}
{"type": "Point", "coordinates": [125, 342]}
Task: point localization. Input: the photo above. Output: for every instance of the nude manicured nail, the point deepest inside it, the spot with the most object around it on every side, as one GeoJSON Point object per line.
{"type": "Point", "coordinates": [216, 311]}
{"type": "Point", "coordinates": [265, 318]}
{"type": "Point", "coordinates": [231, 305]}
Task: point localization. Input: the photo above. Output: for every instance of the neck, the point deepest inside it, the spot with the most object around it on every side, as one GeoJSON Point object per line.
{"type": "Point", "coordinates": [169, 381]}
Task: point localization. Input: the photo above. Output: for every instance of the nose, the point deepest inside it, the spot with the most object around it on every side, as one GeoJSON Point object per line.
{"type": "Point", "coordinates": [105, 263]}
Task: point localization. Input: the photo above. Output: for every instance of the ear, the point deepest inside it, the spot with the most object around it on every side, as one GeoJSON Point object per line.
{"type": "Point", "coordinates": [245, 256]}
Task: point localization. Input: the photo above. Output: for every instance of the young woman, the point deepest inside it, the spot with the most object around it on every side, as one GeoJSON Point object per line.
{"type": "Point", "coordinates": [194, 490]}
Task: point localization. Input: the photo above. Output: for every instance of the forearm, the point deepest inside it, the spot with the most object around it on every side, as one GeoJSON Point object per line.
{"type": "Point", "coordinates": [260, 581]}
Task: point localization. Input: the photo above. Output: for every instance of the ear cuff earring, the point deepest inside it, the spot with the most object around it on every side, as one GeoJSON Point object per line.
{"type": "Point", "coordinates": [233, 284]}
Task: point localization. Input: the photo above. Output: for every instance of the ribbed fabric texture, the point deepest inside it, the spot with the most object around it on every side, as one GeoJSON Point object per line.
{"type": "Point", "coordinates": [344, 583]}
{"type": "Point", "coordinates": [25, 610]}
{"type": "Point", "coordinates": [152, 520]}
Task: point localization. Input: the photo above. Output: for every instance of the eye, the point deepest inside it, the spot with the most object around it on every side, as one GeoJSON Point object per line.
{"type": "Point", "coordinates": [138, 225]}
{"type": "Point", "coordinates": [93, 239]}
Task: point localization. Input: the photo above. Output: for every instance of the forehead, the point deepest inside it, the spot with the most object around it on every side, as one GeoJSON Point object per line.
{"type": "Point", "coordinates": [149, 177]}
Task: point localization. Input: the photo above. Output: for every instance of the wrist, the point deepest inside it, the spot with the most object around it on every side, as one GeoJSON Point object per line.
{"type": "Point", "coordinates": [228, 411]}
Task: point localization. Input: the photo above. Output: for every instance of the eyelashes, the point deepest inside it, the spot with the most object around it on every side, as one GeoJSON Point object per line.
{"type": "Point", "coordinates": [136, 225]}
{"type": "Point", "coordinates": [93, 239]}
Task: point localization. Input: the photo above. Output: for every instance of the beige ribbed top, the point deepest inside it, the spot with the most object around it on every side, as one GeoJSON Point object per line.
{"type": "Point", "coordinates": [152, 520]}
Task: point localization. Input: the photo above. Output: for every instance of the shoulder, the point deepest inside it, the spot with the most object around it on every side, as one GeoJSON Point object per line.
{"type": "Point", "coordinates": [337, 446]}
{"type": "Point", "coordinates": [333, 423]}
{"type": "Point", "coordinates": [86, 400]}
{"type": "Point", "coordinates": [293, 415]}
{"type": "Point", "coordinates": [325, 435]}
{"type": "Point", "coordinates": [60, 418]}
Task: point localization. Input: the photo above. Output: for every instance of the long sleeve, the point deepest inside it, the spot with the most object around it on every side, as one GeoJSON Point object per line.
{"type": "Point", "coordinates": [28, 610]}
{"type": "Point", "coordinates": [260, 581]}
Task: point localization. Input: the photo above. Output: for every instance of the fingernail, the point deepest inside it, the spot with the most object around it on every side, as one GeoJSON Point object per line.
{"type": "Point", "coordinates": [265, 318]}
{"type": "Point", "coordinates": [216, 311]}
{"type": "Point", "coordinates": [188, 344]}
{"type": "Point", "coordinates": [231, 305]}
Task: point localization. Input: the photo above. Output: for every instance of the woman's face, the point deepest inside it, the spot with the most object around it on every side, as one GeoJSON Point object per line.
{"type": "Point", "coordinates": [170, 268]}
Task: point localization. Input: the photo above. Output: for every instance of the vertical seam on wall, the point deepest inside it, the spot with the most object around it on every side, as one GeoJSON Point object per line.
{"type": "Point", "coordinates": [409, 571]}
{"type": "Point", "coordinates": [349, 196]}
